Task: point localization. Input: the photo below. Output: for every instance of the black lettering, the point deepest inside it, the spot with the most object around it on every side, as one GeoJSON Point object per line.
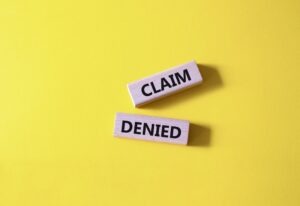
{"type": "Point", "coordinates": [172, 134]}
{"type": "Point", "coordinates": [172, 79]}
{"type": "Point", "coordinates": [180, 78]}
{"type": "Point", "coordinates": [164, 131]}
{"type": "Point", "coordinates": [144, 92]}
{"type": "Point", "coordinates": [123, 126]}
{"type": "Point", "coordinates": [137, 128]}
{"type": "Point", "coordinates": [157, 130]}
{"type": "Point", "coordinates": [154, 89]}
{"type": "Point", "coordinates": [164, 83]}
{"type": "Point", "coordinates": [146, 128]}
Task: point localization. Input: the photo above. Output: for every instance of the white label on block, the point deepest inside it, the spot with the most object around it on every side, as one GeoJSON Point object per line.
{"type": "Point", "coordinates": [151, 128]}
{"type": "Point", "coordinates": [165, 83]}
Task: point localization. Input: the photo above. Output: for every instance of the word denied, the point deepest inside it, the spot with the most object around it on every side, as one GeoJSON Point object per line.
{"type": "Point", "coordinates": [151, 128]}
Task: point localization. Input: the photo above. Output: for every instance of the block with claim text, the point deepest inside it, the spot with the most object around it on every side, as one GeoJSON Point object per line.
{"type": "Point", "coordinates": [165, 83]}
{"type": "Point", "coordinates": [151, 128]}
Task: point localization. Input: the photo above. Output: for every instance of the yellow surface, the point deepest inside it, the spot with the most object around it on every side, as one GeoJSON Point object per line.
{"type": "Point", "coordinates": [64, 66]}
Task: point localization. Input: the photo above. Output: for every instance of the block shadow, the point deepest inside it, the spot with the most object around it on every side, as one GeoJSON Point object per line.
{"type": "Point", "coordinates": [199, 136]}
{"type": "Point", "coordinates": [211, 81]}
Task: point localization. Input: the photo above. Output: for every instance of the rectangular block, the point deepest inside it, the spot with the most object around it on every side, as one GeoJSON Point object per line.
{"type": "Point", "coordinates": [165, 83]}
{"type": "Point", "coordinates": [151, 128]}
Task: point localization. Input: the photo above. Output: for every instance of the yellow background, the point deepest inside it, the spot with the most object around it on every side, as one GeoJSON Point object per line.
{"type": "Point", "coordinates": [64, 66]}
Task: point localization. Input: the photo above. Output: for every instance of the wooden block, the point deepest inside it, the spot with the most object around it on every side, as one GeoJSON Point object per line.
{"type": "Point", "coordinates": [151, 128]}
{"type": "Point", "coordinates": [165, 83]}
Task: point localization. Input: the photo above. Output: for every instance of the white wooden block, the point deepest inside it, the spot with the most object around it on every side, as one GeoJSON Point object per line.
{"type": "Point", "coordinates": [151, 128]}
{"type": "Point", "coordinates": [165, 83]}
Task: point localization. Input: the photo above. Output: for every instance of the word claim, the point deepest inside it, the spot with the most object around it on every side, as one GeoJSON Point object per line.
{"type": "Point", "coordinates": [171, 81]}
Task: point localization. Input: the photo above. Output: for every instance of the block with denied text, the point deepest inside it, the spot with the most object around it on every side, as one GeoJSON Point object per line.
{"type": "Point", "coordinates": [151, 128]}
{"type": "Point", "coordinates": [165, 83]}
